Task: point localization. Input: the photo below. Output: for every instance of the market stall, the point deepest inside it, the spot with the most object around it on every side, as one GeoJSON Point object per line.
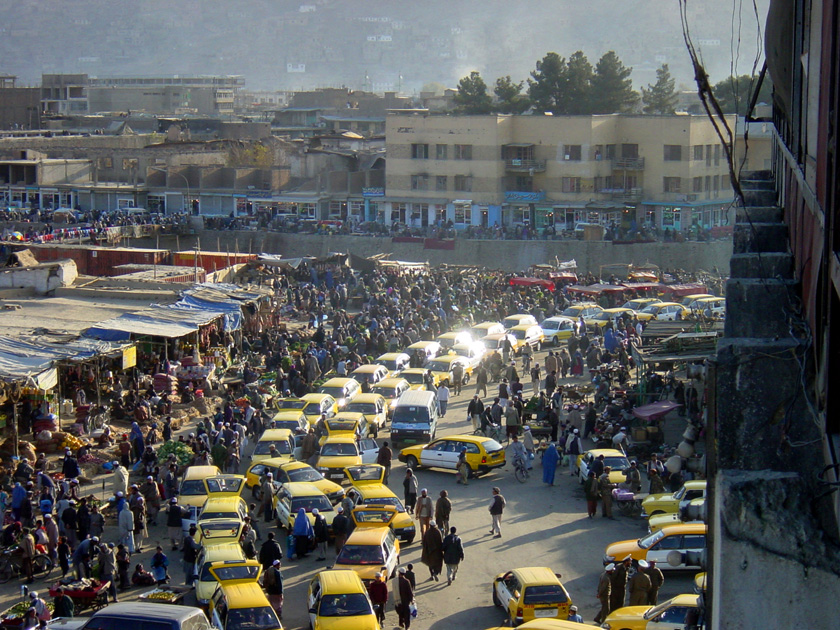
{"type": "Point", "coordinates": [85, 593]}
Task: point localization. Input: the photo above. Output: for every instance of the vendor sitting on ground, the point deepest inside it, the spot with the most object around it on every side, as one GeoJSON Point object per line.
{"type": "Point", "coordinates": [141, 577]}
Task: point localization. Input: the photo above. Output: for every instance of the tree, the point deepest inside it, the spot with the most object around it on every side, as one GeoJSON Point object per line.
{"type": "Point", "coordinates": [578, 95]}
{"type": "Point", "coordinates": [734, 93]}
{"type": "Point", "coordinates": [509, 97]}
{"type": "Point", "coordinates": [612, 88]}
{"type": "Point", "coordinates": [547, 84]}
{"type": "Point", "coordinates": [661, 97]}
{"type": "Point", "coordinates": [472, 97]}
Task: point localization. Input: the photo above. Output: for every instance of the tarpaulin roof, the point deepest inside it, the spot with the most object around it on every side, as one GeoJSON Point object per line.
{"type": "Point", "coordinates": [220, 297]}
{"type": "Point", "coordinates": [531, 282]}
{"type": "Point", "coordinates": [169, 321]}
{"type": "Point", "coordinates": [655, 411]}
{"type": "Point", "coordinates": [594, 289]}
{"type": "Point", "coordinates": [27, 357]}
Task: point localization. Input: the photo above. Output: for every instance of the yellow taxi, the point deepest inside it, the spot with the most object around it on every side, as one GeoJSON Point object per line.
{"type": "Point", "coordinates": [338, 600]}
{"type": "Point", "coordinates": [661, 520]}
{"type": "Point", "coordinates": [454, 338]}
{"type": "Point", "coordinates": [369, 490]}
{"type": "Point", "coordinates": [283, 471]}
{"type": "Point", "coordinates": [557, 329]}
{"type": "Point", "coordinates": [670, 615]}
{"type": "Point", "coordinates": [317, 404]}
{"type": "Point", "coordinates": [414, 377]}
{"type": "Point", "coordinates": [483, 453]}
{"type": "Point", "coordinates": [343, 390]}
{"type": "Point", "coordinates": [586, 310]}
{"type": "Point", "coordinates": [345, 424]}
{"type": "Point", "coordinates": [549, 624]}
{"type": "Point", "coordinates": [483, 329]}
{"type": "Point", "coordinates": [372, 545]}
{"type": "Point", "coordinates": [223, 508]}
{"type": "Point", "coordinates": [473, 352]}
{"type": "Point", "coordinates": [371, 372]}
{"type": "Point", "coordinates": [670, 503]}
{"type": "Point", "coordinates": [338, 453]}
{"type": "Point", "coordinates": [531, 593]}
{"type": "Point", "coordinates": [495, 342]}
{"type": "Point", "coordinates": [373, 406]}
{"type": "Point", "coordinates": [519, 319]}
{"type": "Point", "coordinates": [639, 303]}
{"type": "Point", "coordinates": [663, 311]}
{"type": "Point", "coordinates": [615, 459]}
{"type": "Point", "coordinates": [688, 300]}
{"type": "Point", "coordinates": [214, 487]}
{"type": "Point", "coordinates": [280, 439]}
{"type": "Point", "coordinates": [711, 307]}
{"type": "Point", "coordinates": [527, 334]}
{"type": "Point", "coordinates": [396, 362]}
{"type": "Point", "coordinates": [700, 582]}
{"type": "Point", "coordinates": [680, 537]}
{"type": "Point", "coordinates": [239, 601]}
{"type": "Point", "coordinates": [609, 315]}
{"type": "Point", "coordinates": [427, 349]}
{"type": "Point", "coordinates": [206, 584]}
{"type": "Point", "coordinates": [292, 497]}
{"type": "Point", "coordinates": [193, 492]}
{"type": "Point", "coordinates": [293, 420]}
{"type": "Point", "coordinates": [442, 367]}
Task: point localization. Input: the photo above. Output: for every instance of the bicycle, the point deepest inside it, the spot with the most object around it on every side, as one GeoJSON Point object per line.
{"type": "Point", "coordinates": [11, 565]}
{"type": "Point", "coordinates": [493, 431]}
{"type": "Point", "coordinates": [520, 470]}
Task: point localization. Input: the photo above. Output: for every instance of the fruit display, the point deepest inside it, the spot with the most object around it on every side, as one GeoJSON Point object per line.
{"type": "Point", "coordinates": [166, 594]}
{"type": "Point", "coordinates": [18, 611]}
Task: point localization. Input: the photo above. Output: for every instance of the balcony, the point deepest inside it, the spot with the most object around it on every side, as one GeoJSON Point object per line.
{"type": "Point", "coordinates": [623, 194]}
{"type": "Point", "coordinates": [524, 196]}
{"type": "Point", "coordinates": [525, 166]}
{"type": "Point", "coordinates": [629, 164]}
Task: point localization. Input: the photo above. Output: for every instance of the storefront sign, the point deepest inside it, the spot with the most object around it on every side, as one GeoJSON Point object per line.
{"type": "Point", "coordinates": [129, 357]}
{"type": "Point", "coordinates": [524, 196]}
{"type": "Point", "coordinates": [373, 191]}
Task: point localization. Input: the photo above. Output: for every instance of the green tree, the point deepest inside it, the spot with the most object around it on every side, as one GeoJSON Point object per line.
{"type": "Point", "coordinates": [577, 98]}
{"type": "Point", "coordinates": [547, 84]}
{"type": "Point", "coordinates": [733, 93]}
{"type": "Point", "coordinates": [472, 96]}
{"type": "Point", "coordinates": [509, 97]}
{"type": "Point", "coordinates": [661, 97]}
{"type": "Point", "coordinates": [612, 88]}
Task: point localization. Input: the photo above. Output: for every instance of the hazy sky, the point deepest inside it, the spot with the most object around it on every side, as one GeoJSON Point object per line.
{"type": "Point", "coordinates": [387, 44]}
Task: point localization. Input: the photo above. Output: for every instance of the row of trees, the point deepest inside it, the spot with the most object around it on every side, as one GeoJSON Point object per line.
{"type": "Point", "coordinates": [574, 87]}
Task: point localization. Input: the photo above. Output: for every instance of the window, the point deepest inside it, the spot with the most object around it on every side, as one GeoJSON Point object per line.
{"type": "Point", "coordinates": [573, 152]}
{"type": "Point", "coordinates": [440, 151]}
{"type": "Point", "coordinates": [463, 151]}
{"type": "Point", "coordinates": [708, 155]}
{"type": "Point", "coordinates": [441, 182]}
{"type": "Point", "coordinates": [669, 542]}
{"type": "Point", "coordinates": [463, 213]}
{"type": "Point", "coordinates": [307, 210]}
{"type": "Point", "coordinates": [105, 162]}
{"type": "Point", "coordinates": [694, 542]}
{"type": "Point", "coordinates": [570, 184]}
{"type": "Point", "coordinates": [717, 154]}
{"type": "Point", "coordinates": [697, 184]}
{"type": "Point", "coordinates": [463, 183]}
{"type": "Point", "coordinates": [523, 183]}
{"type": "Point", "coordinates": [356, 208]}
{"type": "Point", "coordinates": [420, 151]}
{"type": "Point", "coordinates": [708, 183]}
{"type": "Point", "coordinates": [673, 152]}
{"type": "Point", "coordinates": [419, 182]}
{"type": "Point", "coordinates": [440, 212]}
{"type": "Point", "coordinates": [130, 164]}
{"type": "Point", "coordinates": [671, 184]}
{"type": "Point", "coordinates": [610, 151]}
{"type": "Point", "coordinates": [698, 152]}
{"type": "Point", "coordinates": [674, 615]}
{"type": "Point", "coordinates": [630, 151]}
{"type": "Point", "coordinates": [716, 183]}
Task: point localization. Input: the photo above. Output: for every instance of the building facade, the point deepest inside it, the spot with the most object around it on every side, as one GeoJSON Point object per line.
{"type": "Point", "coordinates": [667, 172]}
{"type": "Point", "coordinates": [63, 94]}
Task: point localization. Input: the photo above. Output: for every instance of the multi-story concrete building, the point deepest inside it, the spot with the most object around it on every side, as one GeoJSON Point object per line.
{"type": "Point", "coordinates": [663, 171]}
{"type": "Point", "coordinates": [77, 94]}
{"type": "Point", "coordinates": [19, 106]}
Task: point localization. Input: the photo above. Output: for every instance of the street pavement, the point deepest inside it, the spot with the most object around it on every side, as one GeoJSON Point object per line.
{"type": "Point", "coordinates": [541, 526]}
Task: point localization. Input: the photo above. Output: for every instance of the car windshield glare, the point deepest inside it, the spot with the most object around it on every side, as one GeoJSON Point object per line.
{"type": "Point", "coordinates": [339, 450]}
{"type": "Point", "coordinates": [649, 541]}
{"type": "Point", "coordinates": [216, 484]}
{"type": "Point", "coordinates": [292, 404]}
{"type": "Point", "coordinates": [264, 448]}
{"type": "Point", "coordinates": [346, 605]}
{"type": "Point", "coordinates": [617, 463]}
{"type": "Point", "coordinates": [413, 378]}
{"type": "Point", "coordinates": [360, 554]}
{"type": "Point", "coordinates": [192, 487]}
{"type": "Point", "coordinates": [366, 408]}
{"type": "Point", "coordinates": [392, 501]}
{"type": "Point", "coordinates": [341, 425]}
{"type": "Point", "coordinates": [259, 618]}
{"type": "Point", "coordinates": [656, 610]}
{"type": "Point", "coordinates": [545, 594]}
{"type": "Point", "coordinates": [305, 474]}
{"type": "Point", "coordinates": [307, 503]}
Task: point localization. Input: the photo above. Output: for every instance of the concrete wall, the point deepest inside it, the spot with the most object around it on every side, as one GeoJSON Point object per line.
{"type": "Point", "coordinates": [507, 255]}
{"type": "Point", "coordinates": [42, 278]}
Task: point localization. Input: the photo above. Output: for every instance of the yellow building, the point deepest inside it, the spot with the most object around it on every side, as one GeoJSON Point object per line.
{"type": "Point", "coordinates": [555, 171]}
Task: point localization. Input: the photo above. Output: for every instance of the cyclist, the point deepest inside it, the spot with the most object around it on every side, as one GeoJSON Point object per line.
{"type": "Point", "coordinates": [518, 453]}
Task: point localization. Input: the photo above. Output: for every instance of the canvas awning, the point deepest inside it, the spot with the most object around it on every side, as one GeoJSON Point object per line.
{"type": "Point", "coordinates": [169, 321]}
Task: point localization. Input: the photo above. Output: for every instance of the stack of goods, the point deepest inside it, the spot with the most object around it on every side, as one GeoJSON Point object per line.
{"type": "Point", "coordinates": [165, 383]}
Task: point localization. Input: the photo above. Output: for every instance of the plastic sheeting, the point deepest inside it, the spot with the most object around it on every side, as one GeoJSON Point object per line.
{"type": "Point", "coordinates": [170, 321]}
{"type": "Point", "coordinates": [24, 358]}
